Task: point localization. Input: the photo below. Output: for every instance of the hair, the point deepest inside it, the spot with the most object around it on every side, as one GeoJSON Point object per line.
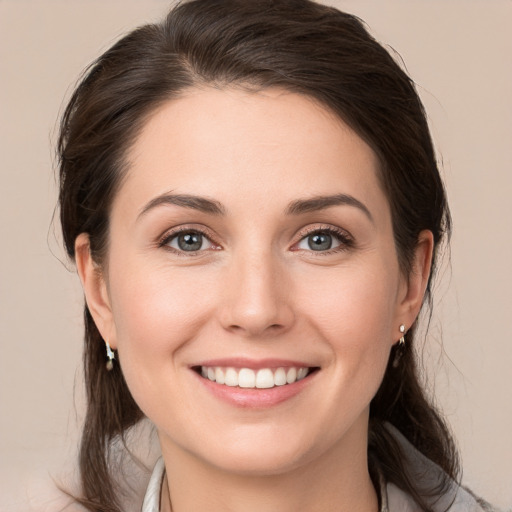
{"type": "Point", "coordinates": [299, 46]}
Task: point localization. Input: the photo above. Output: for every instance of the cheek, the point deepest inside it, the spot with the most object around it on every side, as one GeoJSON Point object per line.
{"type": "Point", "coordinates": [354, 314]}
{"type": "Point", "coordinates": [156, 309]}
{"type": "Point", "coordinates": [352, 304]}
{"type": "Point", "coordinates": [156, 313]}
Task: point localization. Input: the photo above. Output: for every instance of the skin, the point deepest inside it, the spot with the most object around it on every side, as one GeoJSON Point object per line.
{"type": "Point", "coordinates": [256, 290]}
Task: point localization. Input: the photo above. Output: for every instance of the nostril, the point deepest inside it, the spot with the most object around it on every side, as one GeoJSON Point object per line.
{"type": "Point", "coordinates": [255, 330]}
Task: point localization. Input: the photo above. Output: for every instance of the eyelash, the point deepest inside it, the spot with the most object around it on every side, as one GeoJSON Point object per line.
{"type": "Point", "coordinates": [345, 239]}
{"type": "Point", "coordinates": [166, 239]}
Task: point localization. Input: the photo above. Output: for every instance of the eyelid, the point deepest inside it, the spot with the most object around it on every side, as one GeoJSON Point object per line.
{"type": "Point", "coordinates": [168, 235]}
{"type": "Point", "coordinates": [343, 236]}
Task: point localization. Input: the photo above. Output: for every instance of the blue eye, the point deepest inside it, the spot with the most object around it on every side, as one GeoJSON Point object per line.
{"type": "Point", "coordinates": [188, 241]}
{"type": "Point", "coordinates": [324, 240]}
{"type": "Point", "coordinates": [319, 241]}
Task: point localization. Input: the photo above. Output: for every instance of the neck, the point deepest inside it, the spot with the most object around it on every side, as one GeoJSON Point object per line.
{"type": "Point", "coordinates": [336, 481]}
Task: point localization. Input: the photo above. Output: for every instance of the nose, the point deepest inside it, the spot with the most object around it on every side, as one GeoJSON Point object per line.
{"type": "Point", "coordinates": [257, 297]}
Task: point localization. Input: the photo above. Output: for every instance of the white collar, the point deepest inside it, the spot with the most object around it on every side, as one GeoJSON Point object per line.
{"type": "Point", "coordinates": [152, 498]}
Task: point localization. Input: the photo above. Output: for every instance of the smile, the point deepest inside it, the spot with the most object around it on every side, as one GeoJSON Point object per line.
{"type": "Point", "coordinates": [247, 378]}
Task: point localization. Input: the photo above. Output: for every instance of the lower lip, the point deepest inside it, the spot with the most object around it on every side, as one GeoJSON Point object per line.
{"type": "Point", "coordinates": [255, 398]}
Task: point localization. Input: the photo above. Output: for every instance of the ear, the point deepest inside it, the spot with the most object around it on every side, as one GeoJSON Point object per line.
{"type": "Point", "coordinates": [415, 284]}
{"type": "Point", "coordinates": [95, 289]}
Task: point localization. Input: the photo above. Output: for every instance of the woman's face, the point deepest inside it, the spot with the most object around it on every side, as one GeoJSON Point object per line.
{"type": "Point", "coordinates": [251, 243]}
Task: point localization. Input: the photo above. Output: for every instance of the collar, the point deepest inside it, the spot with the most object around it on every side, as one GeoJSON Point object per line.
{"type": "Point", "coordinates": [152, 498]}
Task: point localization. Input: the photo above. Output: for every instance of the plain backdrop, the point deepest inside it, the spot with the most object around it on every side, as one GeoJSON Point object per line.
{"type": "Point", "coordinates": [458, 52]}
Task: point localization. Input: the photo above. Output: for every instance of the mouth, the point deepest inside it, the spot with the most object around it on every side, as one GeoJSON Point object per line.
{"type": "Point", "coordinates": [248, 378]}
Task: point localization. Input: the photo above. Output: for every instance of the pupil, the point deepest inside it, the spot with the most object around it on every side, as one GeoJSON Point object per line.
{"type": "Point", "coordinates": [190, 242]}
{"type": "Point", "coordinates": [320, 242]}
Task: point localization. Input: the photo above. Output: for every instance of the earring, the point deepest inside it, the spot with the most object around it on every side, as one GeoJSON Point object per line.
{"type": "Point", "coordinates": [402, 339]}
{"type": "Point", "coordinates": [400, 347]}
{"type": "Point", "coordinates": [111, 356]}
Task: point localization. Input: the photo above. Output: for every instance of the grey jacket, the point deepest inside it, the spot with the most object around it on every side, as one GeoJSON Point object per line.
{"type": "Point", "coordinates": [421, 469]}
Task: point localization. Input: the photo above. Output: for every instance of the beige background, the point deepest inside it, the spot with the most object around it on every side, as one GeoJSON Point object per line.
{"type": "Point", "coordinates": [458, 51]}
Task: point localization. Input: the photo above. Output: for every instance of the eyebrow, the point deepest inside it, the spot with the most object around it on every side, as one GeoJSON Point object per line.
{"type": "Point", "coordinates": [322, 202]}
{"type": "Point", "coordinates": [298, 207]}
{"type": "Point", "coordinates": [201, 204]}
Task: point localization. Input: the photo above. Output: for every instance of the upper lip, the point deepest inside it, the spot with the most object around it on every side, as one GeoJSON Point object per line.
{"type": "Point", "coordinates": [254, 364]}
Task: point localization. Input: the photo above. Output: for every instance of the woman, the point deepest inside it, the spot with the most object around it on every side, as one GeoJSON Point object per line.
{"type": "Point", "coordinates": [252, 200]}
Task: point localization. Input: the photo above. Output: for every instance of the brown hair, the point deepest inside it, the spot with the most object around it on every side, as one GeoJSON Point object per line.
{"type": "Point", "coordinates": [303, 47]}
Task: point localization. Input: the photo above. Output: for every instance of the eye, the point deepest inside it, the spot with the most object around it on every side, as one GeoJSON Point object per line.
{"type": "Point", "coordinates": [319, 241]}
{"type": "Point", "coordinates": [324, 240]}
{"type": "Point", "coordinates": [188, 241]}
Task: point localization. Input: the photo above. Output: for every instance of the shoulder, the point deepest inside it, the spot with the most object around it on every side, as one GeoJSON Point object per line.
{"type": "Point", "coordinates": [484, 505]}
{"type": "Point", "coordinates": [454, 498]}
{"type": "Point", "coordinates": [464, 501]}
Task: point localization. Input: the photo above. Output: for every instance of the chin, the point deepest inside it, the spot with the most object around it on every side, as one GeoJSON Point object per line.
{"type": "Point", "coordinates": [259, 460]}
{"type": "Point", "coordinates": [264, 450]}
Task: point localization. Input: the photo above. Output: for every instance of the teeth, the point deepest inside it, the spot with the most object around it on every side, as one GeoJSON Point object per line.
{"type": "Point", "coordinates": [219, 376]}
{"type": "Point", "coordinates": [264, 378]}
{"type": "Point", "coordinates": [280, 377]}
{"type": "Point", "coordinates": [246, 378]}
{"type": "Point", "coordinates": [301, 373]}
{"type": "Point", "coordinates": [291, 375]}
{"type": "Point", "coordinates": [231, 377]}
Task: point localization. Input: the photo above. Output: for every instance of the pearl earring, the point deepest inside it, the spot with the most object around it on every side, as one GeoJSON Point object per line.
{"type": "Point", "coordinates": [402, 339]}
{"type": "Point", "coordinates": [111, 356]}
{"type": "Point", "coordinates": [400, 347]}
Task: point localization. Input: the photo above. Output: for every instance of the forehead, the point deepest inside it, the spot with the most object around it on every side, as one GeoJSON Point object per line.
{"type": "Point", "coordinates": [211, 142]}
